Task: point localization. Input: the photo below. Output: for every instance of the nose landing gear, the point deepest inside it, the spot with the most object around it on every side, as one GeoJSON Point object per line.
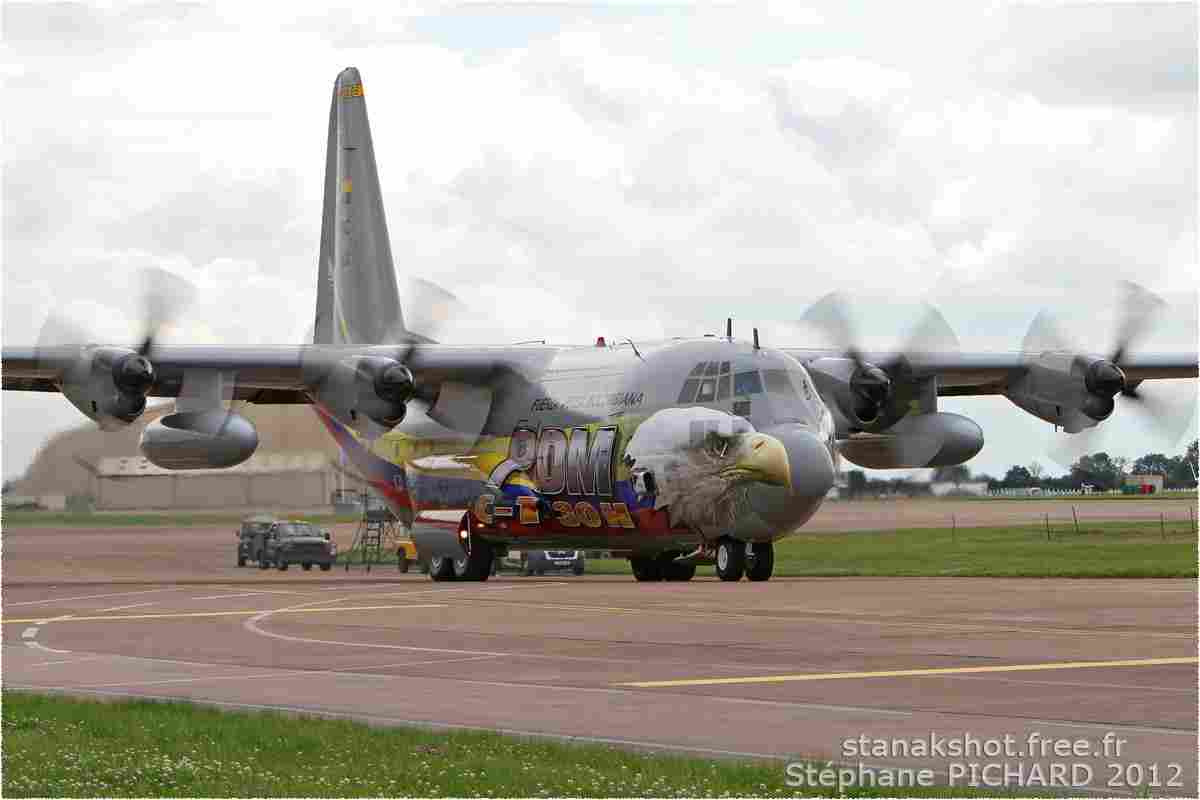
{"type": "Point", "coordinates": [731, 559]}
{"type": "Point", "coordinates": [756, 560]}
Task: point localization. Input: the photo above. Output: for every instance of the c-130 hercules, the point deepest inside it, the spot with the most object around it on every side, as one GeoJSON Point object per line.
{"type": "Point", "coordinates": [673, 453]}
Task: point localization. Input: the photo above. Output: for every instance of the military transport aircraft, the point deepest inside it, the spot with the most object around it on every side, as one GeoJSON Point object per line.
{"type": "Point", "coordinates": [673, 453]}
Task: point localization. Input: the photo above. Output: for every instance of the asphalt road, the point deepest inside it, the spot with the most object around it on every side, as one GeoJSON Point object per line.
{"type": "Point", "coordinates": [787, 668]}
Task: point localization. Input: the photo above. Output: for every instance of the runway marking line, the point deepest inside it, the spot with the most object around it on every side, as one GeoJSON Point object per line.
{"type": "Point", "coordinates": [122, 608]}
{"type": "Point", "coordinates": [239, 613]}
{"type": "Point", "coordinates": [68, 660]}
{"type": "Point", "coordinates": [89, 597]}
{"type": "Point", "coordinates": [821, 617]}
{"type": "Point", "coordinates": [907, 673]}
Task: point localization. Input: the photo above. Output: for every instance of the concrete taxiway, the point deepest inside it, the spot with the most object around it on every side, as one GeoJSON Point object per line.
{"type": "Point", "coordinates": [776, 670]}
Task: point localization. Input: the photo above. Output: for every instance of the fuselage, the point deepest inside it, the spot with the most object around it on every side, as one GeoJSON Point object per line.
{"type": "Point", "coordinates": [648, 448]}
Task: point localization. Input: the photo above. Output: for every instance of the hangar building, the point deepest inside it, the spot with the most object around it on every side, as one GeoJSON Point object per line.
{"type": "Point", "coordinates": [294, 467]}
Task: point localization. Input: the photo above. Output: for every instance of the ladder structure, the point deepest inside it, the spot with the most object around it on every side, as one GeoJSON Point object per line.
{"type": "Point", "coordinates": [376, 534]}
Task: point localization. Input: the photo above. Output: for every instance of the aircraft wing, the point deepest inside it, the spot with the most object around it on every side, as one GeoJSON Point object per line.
{"type": "Point", "coordinates": [964, 374]}
{"type": "Point", "coordinates": [283, 374]}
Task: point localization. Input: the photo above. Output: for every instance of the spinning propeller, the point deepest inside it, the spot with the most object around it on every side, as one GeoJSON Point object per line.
{"type": "Point", "coordinates": [1161, 410]}
{"type": "Point", "coordinates": [110, 384]}
{"type": "Point", "coordinates": [883, 391]}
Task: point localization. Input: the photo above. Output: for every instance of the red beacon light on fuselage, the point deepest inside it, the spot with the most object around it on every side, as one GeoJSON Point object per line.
{"type": "Point", "coordinates": [600, 342]}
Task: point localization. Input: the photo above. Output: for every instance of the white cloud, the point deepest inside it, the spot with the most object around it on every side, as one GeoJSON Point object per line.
{"type": "Point", "coordinates": [638, 172]}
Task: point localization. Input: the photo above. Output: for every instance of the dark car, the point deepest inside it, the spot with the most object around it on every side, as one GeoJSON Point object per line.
{"type": "Point", "coordinates": [295, 542]}
{"type": "Point", "coordinates": [251, 537]}
{"type": "Point", "coordinates": [539, 562]}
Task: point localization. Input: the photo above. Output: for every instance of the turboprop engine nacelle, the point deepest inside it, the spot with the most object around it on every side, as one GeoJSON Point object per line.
{"type": "Point", "coordinates": [860, 395]}
{"type": "Point", "coordinates": [938, 439]}
{"type": "Point", "coordinates": [1072, 391]}
{"type": "Point", "coordinates": [210, 439]}
{"type": "Point", "coordinates": [109, 385]}
{"type": "Point", "coordinates": [367, 387]}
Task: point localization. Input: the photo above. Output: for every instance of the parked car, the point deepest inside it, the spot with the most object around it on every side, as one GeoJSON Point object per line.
{"type": "Point", "coordinates": [539, 562]}
{"type": "Point", "coordinates": [251, 537]}
{"type": "Point", "coordinates": [296, 542]}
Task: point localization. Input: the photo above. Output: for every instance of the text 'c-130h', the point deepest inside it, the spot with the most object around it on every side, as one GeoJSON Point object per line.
{"type": "Point", "coordinates": [673, 453]}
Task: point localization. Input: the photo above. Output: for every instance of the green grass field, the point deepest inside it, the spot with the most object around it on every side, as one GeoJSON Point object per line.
{"type": "Point", "coordinates": [56, 746]}
{"type": "Point", "coordinates": [1134, 549]}
{"type": "Point", "coordinates": [1091, 498]}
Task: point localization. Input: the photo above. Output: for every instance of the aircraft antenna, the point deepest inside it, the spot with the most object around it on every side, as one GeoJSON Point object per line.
{"type": "Point", "coordinates": [634, 346]}
{"type": "Point", "coordinates": [756, 347]}
{"type": "Point", "coordinates": [729, 327]}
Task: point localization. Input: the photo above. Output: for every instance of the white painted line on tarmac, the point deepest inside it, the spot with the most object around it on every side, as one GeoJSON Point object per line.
{"type": "Point", "coordinates": [423, 663]}
{"type": "Point", "coordinates": [251, 625]}
{"type": "Point", "coordinates": [122, 608]}
{"type": "Point", "coordinates": [194, 679]}
{"type": "Point", "coordinates": [67, 661]}
{"type": "Point", "coordinates": [29, 633]}
{"type": "Point", "coordinates": [223, 596]}
{"type": "Point", "coordinates": [90, 597]}
{"type": "Point", "coordinates": [44, 649]}
{"type": "Point", "coordinates": [459, 591]}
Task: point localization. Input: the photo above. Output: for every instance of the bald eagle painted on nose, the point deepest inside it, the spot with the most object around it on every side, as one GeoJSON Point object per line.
{"type": "Point", "coordinates": [703, 462]}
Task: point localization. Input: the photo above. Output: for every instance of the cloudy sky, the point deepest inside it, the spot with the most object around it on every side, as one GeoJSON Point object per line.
{"type": "Point", "coordinates": [572, 170]}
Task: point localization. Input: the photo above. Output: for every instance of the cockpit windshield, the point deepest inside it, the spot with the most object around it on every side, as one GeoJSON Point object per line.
{"type": "Point", "coordinates": [776, 395]}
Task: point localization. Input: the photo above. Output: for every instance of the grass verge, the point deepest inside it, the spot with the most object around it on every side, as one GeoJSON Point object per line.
{"type": "Point", "coordinates": [1132, 549]}
{"type": "Point", "coordinates": [58, 746]}
{"type": "Point", "coordinates": [1170, 494]}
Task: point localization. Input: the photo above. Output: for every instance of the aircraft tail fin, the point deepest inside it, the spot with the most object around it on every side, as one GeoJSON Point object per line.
{"type": "Point", "coordinates": [357, 298]}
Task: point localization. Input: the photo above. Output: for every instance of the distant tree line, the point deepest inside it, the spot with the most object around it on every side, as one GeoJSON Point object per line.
{"type": "Point", "coordinates": [1100, 470]}
{"type": "Point", "coordinates": [1105, 472]}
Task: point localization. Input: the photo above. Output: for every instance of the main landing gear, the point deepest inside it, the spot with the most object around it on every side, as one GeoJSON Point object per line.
{"type": "Point", "coordinates": [755, 560]}
{"type": "Point", "coordinates": [474, 565]}
{"type": "Point", "coordinates": [662, 567]}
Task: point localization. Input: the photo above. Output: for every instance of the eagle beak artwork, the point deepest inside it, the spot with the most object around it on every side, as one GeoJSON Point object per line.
{"type": "Point", "coordinates": [704, 464]}
{"type": "Point", "coordinates": [760, 457]}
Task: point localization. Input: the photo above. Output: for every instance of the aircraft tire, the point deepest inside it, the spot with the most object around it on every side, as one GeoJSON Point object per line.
{"type": "Point", "coordinates": [731, 559]}
{"type": "Point", "coordinates": [477, 564]}
{"type": "Point", "coordinates": [441, 568]}
{"type": "Point", "coordinates": [646, 569]}
{"type": "Point", "coordinates": [762, 564]}
{"type": "Point", "coordinates": [675, 571]}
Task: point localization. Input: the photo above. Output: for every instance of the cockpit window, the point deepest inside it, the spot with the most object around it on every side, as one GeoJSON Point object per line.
{"type": "Point", "coordinates": [747, 383]}
{"type": "Point", "coordinates": [784, 390]}
{"type": "Point", "coordinates": [708, 381]}
{"type": "Point", "coordinates": [777, 381]}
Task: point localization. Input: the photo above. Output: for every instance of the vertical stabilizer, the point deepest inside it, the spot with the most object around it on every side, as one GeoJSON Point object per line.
{"type": "Point", "coordinates": [357, 299]}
